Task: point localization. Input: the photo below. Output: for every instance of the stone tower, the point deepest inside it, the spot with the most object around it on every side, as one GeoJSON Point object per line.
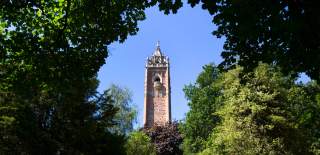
{"type": "Point", "coordinates": [157, 98]}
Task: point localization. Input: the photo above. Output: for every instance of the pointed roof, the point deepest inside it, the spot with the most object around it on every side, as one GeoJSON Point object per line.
{"type": "Point", "coordinates": [157, 52]}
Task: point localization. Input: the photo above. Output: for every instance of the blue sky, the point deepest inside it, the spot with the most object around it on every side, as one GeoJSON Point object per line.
{"type": "Point", "coordinates": [185, 37]}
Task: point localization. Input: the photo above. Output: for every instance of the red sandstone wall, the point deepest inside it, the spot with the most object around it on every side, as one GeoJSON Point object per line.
{"type": "Point", "coordinates": [157, 106]}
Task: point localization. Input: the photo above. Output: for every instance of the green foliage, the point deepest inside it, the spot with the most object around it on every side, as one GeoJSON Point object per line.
{"type": "Point", "coordinates": [203, 99]}
{"type": "Point", "coordinates": [311, 117]}
{"type": "Point", "coordinates": [264, 112]}
{"type": "Point", "coordinates": [50, 53]}
{"type": "Point", "coordinates": [75, 123]}
{"type": "Point", "coordinates": [285, 33]}
{"type": "Point", "coordinates": [127, 113]}
{"type": "Point", "coordinates": [139, 143]}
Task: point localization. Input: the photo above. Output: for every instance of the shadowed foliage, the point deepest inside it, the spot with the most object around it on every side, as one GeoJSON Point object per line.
{"type": "Point", "coordinates": [166, 138]}
{"type": "Point", "coordinates": [285, 33]}
{"type": "Point", "coordinates": [50, 53]}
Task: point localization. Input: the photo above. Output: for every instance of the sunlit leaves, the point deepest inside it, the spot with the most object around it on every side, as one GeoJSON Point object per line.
{"type": "Point", "coordinates": [139, 143]}
{"type": "Point", "coordinates": [204, 100]}
{"type": "Point", "coordinates": [127, 113]}
{"type": "Point", "coordinates": [263, 112]}
{"type": "Point", "coordinates": [50, 53]}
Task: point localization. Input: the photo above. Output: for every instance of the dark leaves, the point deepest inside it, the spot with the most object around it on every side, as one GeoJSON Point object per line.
{"type": "Point", "coordinates": [284, 33]}
{"type": "Point", "coordinates": [166, 138]}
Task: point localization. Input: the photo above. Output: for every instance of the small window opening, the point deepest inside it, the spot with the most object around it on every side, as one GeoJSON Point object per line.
{"type": "Point", "coordinates": [157, 79]}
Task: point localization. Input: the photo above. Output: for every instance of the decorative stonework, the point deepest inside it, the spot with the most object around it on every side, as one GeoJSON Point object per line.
{"type": "Point", "coordinates": [157, 97]}
{"type": "Point", "coordinates": [157, 59]}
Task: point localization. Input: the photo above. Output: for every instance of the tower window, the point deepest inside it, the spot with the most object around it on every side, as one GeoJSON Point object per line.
{"type": "Point", "coordinates": [157, 79]}
{"type": "Point", "coordinates": [157, 85]}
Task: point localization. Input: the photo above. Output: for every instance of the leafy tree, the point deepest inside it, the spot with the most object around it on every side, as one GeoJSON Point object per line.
{"type": "Point", "coordinates": [78, 124]}
{"type": "Point", "coordinates": [204, 100]}
{"type": "Point", "coordinates": [166, 138]}
{"type": "Point", "coordinates": [139, 143]}
{"type": "Point", "coordinates": [264, 112]}
{"type": "Point", "coordinates": [50, 53]}
{"type": "Point", "coordinates": [285, 33]}
{"type": "Point", "coordinates": [125, 117]}
{"type": "Point", "coordinates": [311, 119]}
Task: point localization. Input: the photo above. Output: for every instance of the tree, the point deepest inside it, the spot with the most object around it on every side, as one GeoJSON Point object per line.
{"type": "Point", "coordinates": [50, 53]}
{"type": "Point", "coordinates": [78, 124]}
{"type": "Point", "coordinates": [166, 138]}
{"type": "Point", "coordinates": [311, 119]}
{"type": "Point", "coordinates": [139, 143]}
{"type": "Point", "coordinates": [125, 117]}
{"type": "Point", "coordinates": [264, 112]}
{"type": "Point", "coordinates": [204, 101]}
{"type": "Point", "coordinates": [285, 33]}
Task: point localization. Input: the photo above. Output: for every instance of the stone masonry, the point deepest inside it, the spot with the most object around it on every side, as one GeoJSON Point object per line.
{"type": "Point", "coordinates": [157, 102]}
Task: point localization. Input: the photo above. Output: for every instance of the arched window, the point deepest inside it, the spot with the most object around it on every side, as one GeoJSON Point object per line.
{"type": "Point", "coordinates": [157, 85]}
{"type": "Point", "coordinates": [157, 79]}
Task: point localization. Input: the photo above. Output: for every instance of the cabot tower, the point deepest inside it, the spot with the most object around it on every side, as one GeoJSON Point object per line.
{"type": "Point", "coordinates": [157, 98]}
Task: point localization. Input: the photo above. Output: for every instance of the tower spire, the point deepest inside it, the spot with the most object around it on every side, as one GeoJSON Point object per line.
{"type": "Point", "coordinates": [157, 52]}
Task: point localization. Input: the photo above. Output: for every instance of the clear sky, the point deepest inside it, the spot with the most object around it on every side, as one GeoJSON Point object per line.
{"type": "Point", "coordinates": [185, 37]}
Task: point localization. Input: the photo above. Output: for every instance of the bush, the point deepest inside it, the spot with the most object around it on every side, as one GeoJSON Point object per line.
{"type": "Point", "coordinates": [167, 138]}
{"type": "Point", "coordinates": [139, 143]}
